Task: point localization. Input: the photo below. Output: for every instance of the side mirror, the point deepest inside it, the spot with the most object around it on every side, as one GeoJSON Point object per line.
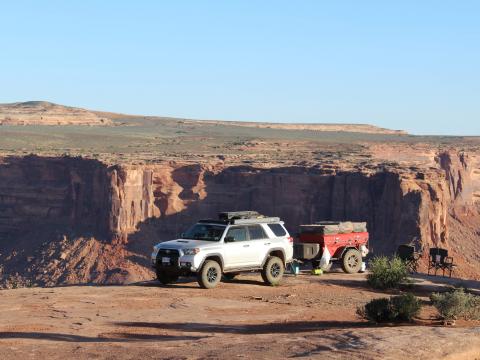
{"type": "Point", "coordinates": [229, 239]}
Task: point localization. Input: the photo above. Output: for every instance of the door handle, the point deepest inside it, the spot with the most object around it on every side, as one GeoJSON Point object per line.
{"type": "Point", "coordinates": [246, 245]}
{"type": "Point", "coordinates": [266, 244]}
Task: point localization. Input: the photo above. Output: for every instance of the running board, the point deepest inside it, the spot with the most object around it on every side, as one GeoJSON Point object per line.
{"type": "Point", "coordinates": [242, 269]}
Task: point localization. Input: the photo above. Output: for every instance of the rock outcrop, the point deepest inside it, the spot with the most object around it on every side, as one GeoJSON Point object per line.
{"type": "Point", "coordinates": [46, 113]}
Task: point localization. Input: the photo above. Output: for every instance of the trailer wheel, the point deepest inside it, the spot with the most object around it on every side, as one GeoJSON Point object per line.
{"type": "Point", "coordinates": [352, 261]}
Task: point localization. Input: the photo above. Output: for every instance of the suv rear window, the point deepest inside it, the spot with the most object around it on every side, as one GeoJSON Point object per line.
{"type": "Point", "coordinates": [277, 229]}
{"type": "Point", "coordinates": [238, 233]}
{"type": "Point", "coordinates": [256, 232]}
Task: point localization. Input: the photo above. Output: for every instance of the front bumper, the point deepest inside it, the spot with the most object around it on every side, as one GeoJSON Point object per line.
{"type": "Point", "coordinates": [171, 260]}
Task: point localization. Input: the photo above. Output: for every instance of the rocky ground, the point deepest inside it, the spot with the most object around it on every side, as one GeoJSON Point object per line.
{"type": "Point", "coordinates": [306, 317]}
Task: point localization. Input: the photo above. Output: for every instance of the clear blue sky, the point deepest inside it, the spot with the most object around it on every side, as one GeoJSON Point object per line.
{"type": "Point", "coordinates": [411, 65]}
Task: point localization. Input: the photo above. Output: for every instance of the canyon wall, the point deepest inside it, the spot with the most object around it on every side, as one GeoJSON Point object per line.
{"type": "Point", "coordinates": [63, 192]}
{"type": "Point", "coordinates": [398, 209]}
{"type": "Point", "coordinates": [121, 211]}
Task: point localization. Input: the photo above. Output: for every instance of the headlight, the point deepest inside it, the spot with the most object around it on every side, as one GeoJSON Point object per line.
{"type": "Point", "coordinates": [191, 251]}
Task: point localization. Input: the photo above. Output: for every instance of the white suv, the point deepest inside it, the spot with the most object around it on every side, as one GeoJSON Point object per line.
{"type": "Point", "coordinates": [238, 241]}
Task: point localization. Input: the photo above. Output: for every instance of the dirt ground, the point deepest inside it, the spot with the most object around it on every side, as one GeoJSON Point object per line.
{"type": "Point", "coordinates": [306, 317]}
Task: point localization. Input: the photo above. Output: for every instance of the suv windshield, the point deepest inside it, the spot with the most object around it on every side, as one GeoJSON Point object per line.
{"type": "Point", "coordinates": [207, 232]}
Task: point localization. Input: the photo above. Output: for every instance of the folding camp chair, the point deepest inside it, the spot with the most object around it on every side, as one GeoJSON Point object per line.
{"type": "Point", "coordinates": [439, 259]}
{"type": "Point", "coordinates": [408, 254]}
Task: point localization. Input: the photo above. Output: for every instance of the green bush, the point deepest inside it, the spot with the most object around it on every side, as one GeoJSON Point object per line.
{"type": "Point", "coordinates": [396, 309]}
{"type": "Point", "coordinates": [457, 305]}
{"type": "Point", "coordinates": [407, 306]}
{"type": "Point", "coordinates": [387, 273]}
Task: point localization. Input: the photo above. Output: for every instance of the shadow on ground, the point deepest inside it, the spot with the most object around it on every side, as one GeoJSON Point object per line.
{"type": "Point", "coordinates": [110, 337]}
{"type": "Point", "coordinates": [251, 329]}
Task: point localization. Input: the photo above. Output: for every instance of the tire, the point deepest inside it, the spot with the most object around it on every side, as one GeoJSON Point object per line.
{"type": "Point", "coordinates": [229, 276]}
{"type": "Point", "coordinates": [273, 270]}
{"type": "Point", "coordinates": [166, 278]}
{"type": "Point", "coordinates": [209, 275]}
{"type": "Point", "coordinates": [352, 261]}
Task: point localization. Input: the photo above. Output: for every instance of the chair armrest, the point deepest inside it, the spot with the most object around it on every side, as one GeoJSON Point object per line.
{"type": "Point", "coordinates": [448, 260]}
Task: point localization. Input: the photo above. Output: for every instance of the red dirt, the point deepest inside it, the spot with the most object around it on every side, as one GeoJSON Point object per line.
{"type": "Point", "coordinates": [306, 317]}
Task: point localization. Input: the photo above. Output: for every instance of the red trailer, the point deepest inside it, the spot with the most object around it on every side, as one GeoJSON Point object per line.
{"type": "Point", "coordinates": [326, 242]}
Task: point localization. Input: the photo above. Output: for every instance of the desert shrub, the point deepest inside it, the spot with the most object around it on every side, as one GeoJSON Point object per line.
{"type": "Point", "coordinates": [396, 309]}
{"type": "Point", "coordinates": [387, 273]}
{"type": "Point", "coordinates": [457, 304]}
{"type": "Point", "coordinates": [407, 306]}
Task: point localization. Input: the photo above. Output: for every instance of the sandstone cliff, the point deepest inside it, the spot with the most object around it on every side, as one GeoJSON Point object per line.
{"type": "Point", "coordinates": [73, 220]}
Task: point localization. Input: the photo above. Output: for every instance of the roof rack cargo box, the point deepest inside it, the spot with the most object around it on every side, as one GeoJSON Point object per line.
{"type": "Point", "coordinates": [260, 220]}
{"type": "Point", "coordinates": [230, 215]}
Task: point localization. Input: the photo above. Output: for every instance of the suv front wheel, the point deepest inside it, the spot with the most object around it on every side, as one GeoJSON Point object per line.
{"type": "Point", "coordinates": [273, 270]}
{"type": "Point", "coordinates": [209, 275]}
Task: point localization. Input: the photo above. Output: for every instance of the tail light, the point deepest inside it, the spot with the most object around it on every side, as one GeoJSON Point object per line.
{"type": "Point", "coordinates": [290, 239]}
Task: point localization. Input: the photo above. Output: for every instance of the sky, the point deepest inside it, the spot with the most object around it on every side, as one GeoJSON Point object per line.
{"type": "Point", "coordinates": [411, 65]}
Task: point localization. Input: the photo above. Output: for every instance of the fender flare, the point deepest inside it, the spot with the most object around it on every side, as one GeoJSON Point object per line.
{"type": "Point", "coordinates": [345, 249]}
{"type": "Point", "coordinates": [209, 256]}
{"type": "Point", "coordinates": [270, 251]}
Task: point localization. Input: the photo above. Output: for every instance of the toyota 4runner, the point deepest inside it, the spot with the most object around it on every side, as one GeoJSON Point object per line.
{"type": "Point", "coordinates": [237, 242]}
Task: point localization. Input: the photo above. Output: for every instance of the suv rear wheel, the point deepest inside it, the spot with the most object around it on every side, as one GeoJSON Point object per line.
{"type": "Point", "coordinates": [352, 261]}
{"type": "Point", "coordinates": [273, 270]}
{"type": "Point", "coordinates": [210, 274]}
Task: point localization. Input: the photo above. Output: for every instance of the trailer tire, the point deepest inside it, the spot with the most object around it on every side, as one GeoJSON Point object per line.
{"type": "Point", "coordinates": [273, 270]}
{"type": "Point", "coordinates": [352, 261]}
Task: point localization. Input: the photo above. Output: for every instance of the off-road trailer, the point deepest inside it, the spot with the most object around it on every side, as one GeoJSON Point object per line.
{"type": "Point", "coordinates": [324, 243]}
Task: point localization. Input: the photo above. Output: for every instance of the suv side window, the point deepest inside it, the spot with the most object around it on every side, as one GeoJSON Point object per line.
{"type": "Point", "coordinates": [238, 233]}
{"type": "Point", "coordinates": [277, 229]}
{"type": "Point", "coordinates": [256, 232]}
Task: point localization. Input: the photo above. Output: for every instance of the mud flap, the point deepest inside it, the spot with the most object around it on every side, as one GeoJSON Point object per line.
{"type": "Point", "coordinates": [325, 259]}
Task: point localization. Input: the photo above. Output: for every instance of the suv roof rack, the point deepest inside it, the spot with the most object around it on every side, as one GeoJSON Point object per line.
{"type": "Point", "coordinates": [241, 217]}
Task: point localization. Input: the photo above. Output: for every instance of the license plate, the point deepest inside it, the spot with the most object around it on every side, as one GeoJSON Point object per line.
{"type": "Point", "coordinates": [165, 260]}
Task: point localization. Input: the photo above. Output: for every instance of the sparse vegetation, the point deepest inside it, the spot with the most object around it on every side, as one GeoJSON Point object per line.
{"type": "Point", "coordinates": [395, 309]}
{"type": "Point", "coordinates": [387, 273]}
{"type": "Point", "coordinates": [457, 304]}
